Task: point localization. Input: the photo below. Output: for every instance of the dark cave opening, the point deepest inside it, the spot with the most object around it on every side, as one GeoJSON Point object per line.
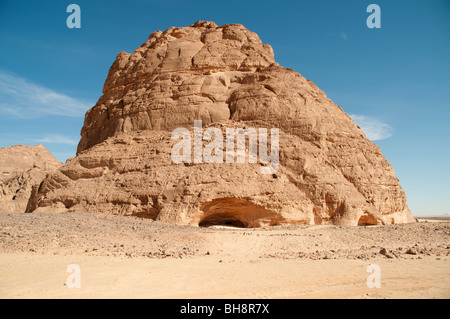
{"type": "Point", "coordinates": [222, 219]}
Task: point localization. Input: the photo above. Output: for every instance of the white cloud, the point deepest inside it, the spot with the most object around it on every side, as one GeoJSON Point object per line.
{"type": "Point", "coordinates": [343, 35]}
{"type": "Point", "coordinates": [374, 129]}
{"type": "Point", "coordinates": [23, 99]}
{"type": "Point", "coordinates": [57, 139]}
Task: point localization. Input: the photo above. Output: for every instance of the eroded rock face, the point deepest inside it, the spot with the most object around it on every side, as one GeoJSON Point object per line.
{"type": "Point", "coordinates": [22, 167]}
{"type": "Point", "coordinates": [176, 77]}
{"type": "Point", "coordinates": [329, 171]}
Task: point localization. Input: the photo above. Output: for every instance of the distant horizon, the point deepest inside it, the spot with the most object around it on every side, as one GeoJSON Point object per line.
{"type": "Point", "coordinates": [393, 81]}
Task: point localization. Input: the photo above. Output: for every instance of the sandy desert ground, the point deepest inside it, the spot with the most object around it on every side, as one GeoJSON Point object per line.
{"type": "Point", "coordinates": [129, 257]}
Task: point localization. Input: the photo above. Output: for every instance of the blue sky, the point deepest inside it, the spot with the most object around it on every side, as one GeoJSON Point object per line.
{"type": "Point", "coordinates": [394, 81]}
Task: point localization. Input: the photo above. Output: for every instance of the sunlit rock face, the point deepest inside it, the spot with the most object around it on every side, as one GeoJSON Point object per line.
{"type": "Point", "coordinates": [329, 172]}
{"type": "Point", "coordinates": [21, 168]}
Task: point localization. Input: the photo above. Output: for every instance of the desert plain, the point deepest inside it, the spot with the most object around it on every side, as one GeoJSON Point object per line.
{"type": "Point", "coordinates": [132, 257]}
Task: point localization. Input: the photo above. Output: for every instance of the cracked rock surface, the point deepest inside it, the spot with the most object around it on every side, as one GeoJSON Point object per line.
{"type": "Point", "coordinates": [329, 172]}
{"type": "Point", "coordinates": [21, 168]}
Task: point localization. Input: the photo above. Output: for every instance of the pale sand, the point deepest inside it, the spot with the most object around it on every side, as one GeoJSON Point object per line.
{"type": "Point", "coordinates": [24, 275]}
{"type": "Point", "coordinates": [280, 262]}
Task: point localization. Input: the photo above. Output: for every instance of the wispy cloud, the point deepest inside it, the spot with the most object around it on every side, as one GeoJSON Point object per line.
{"type": "Point", "coordinates": [23, 99]}
{"type": "Point", "coordinates": [374, 129]}
{"type": "Point", "coordinates": [57, 139]}
{"type": "Point", "coordinates": [343, 35]}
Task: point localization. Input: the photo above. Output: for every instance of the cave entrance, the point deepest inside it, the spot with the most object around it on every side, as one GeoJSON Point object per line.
{"type": "Point", "coordinates": [222, 220]}
{"type": "Point", "coordinates": [367, 220]}
{"type": "Point", "coordinates": [235, 212]}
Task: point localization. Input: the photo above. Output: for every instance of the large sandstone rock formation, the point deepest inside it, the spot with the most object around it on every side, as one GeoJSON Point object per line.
{"type": "Point", "coordinates": [22, 167]}
{"type": "Point", "coordinates": [224, 76]}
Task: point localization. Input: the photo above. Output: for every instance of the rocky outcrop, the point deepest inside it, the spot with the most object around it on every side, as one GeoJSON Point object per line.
{"type": "Point", "coordinates": [178, 76]}
{"type": "Point", "coordinates": [329, 171]}
{"type": "Point", "coordinates": [22, 167]}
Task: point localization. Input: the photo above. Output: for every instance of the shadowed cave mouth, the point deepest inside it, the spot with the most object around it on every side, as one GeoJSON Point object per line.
{"type": "Point", "coordinates": [222, 220]}
{"type": "Point", "coordinates": [236, 212]}
{"type": "Point", "coordinates": [367, 220]}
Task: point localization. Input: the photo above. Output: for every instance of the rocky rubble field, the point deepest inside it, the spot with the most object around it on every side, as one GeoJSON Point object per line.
{"type": "Point", "coordinates": [132, 237]}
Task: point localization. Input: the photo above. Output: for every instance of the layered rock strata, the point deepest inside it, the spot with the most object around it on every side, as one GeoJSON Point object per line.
{"type": "Point", "coordinates": [329, 172]}
{"type": "Point", "coordinates": [22, 167]}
